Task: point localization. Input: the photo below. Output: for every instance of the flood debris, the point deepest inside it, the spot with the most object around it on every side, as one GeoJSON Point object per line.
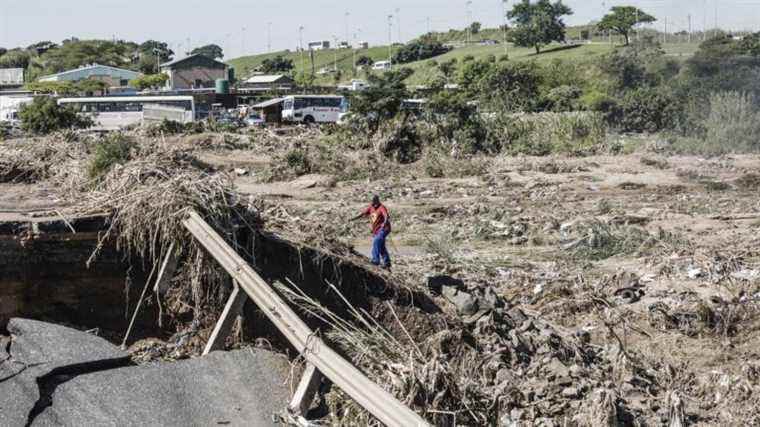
{"type": "Point", "coordinates": [527, 291]}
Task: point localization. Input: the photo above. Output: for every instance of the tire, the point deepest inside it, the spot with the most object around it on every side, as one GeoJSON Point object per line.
{"type": "Point", "coordinates": [309, 120]}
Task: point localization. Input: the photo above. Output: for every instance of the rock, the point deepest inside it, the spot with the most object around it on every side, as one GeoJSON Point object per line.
{"type": "Point", "coordinates": [436, 283]}
{"type": "Point", "coordinates": [241, 387]}
{"type": "Point", "coordinates": [570, 392]}
{"type": "Point", "coordinates": [466, 304]}
{"type": "Point", "coordinates": [241, 171]}
{"type": "Point", "coordinates": [694, 272]}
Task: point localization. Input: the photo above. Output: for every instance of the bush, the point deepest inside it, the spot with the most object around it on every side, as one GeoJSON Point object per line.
{"type": "Point", "coordinates": [173, 127]}
{"type": "Point", "coordinates": [546, 133]}
{"type": "Point", "coordinates": [111, 150]}
{"type": "Point", "coordinates": [297, 160]}
{"type": "Point", "coordinates": [399, 140]}
{"type": "Point", "coordinates": [733, 125]}
{"type": "Point", "coordinates": [423, 48]}
{"type": "Point", "coordinates": [44, 115]}
{"type": "Point", "coordinates": [564, 98]}
{"type": "Point", "coordinates": [647, 110]}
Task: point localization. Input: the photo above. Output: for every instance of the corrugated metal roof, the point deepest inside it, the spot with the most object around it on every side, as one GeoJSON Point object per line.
{"type": "Point", "coordinates": [269, 103]}
{"type": "Point", "coordinates": [91, 70]}
{"type": "Point", "coordinates": [11, 76]}
{"type": "Point", "coordinates": [266, 78]}
{"type": "Point", "coordinates": [179, 60]}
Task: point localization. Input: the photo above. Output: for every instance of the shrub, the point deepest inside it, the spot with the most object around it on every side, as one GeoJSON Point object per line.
{"type": "Point", "coordinates": [399, 140]}
{"type": "Point", "coordinates": [423, 48]}
{"type": "Point", "coordinates": [297, 159]}
{"type": "Point", "coordinates": [111, 150]}
{"type": "Point", "coordinates": [647, 110]}
{"type": "Point", "coordinates": [733, 124]}
{"type": "Point", "coordinates": [44, 115]}
{"type": "Point", "coordinates": [545, 133]}
{"type": "Point", "coordinates": [564, 98]}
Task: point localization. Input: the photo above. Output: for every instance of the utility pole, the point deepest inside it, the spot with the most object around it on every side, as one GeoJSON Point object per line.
{"type": "Point", "coordinates": [346, 22]}
{"type": "Point", "coordinates": [716, 16]}
{"type": "Point", "coordinates": [354, 48]}
{"type": "Point", "coordinates": [398, 23]}
{"type": "Point", "coordinates": [269, 37]}
{"type": "Point", "coordinates": [335, 53]}
{"type": "Point", "coordinates": [504, 23]}
{"type": "Point", "coordinates": [158, 60]}
{"type": "Point", "coordinates": [469, 21]}
{"type": "Point", "coordinates": [689, 28]}
{"type": "Point", "coordinates": [242, 43]}
{"type": "Point", "coordinates": [665, 36]}
{"type": "Point", "coordinates": [300, 47]}
{"type": "Point", "coordinates": [704, 20]}
{"type": "Point", "coordinates": [390, 40]}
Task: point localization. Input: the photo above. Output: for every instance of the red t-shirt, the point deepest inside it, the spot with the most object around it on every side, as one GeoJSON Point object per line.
{"type": "Point", "coordinates": [378, 218]}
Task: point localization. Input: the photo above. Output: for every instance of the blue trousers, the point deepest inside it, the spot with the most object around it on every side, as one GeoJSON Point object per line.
{"type": "Point", "coordinates": [379, 251]}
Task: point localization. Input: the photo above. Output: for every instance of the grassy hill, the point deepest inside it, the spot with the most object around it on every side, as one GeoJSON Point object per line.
{"type": "Point", "coordinates": [425, 71]}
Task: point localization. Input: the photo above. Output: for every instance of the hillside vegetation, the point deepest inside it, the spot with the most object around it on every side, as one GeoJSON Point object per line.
{"type": "Point", "coordinates": [425, 71]}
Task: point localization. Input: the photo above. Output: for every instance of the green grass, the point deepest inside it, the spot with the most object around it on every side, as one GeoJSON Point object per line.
{"type": "Point", "coordinates": [244, 66]}
{"type": "Point", "coordinates": [425, 73]}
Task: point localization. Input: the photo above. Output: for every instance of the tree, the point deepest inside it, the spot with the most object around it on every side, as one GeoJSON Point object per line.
{"type": "Point", "coordinates": [149, 81]}
{"type": "Point", "coordinates": [382, 99]}
{"type": "Point", "coordinates": [44, 115]}
{"type": "Point", "coordinates": [539, 23]}
{"type": "Point", "coordinates": [210, 50]}
{"type": "Point", "coordinates": [448, 68]}
{"type": "Point", "coordinates": [42, 47]}
{"type": "Point", "coordinates": [150, 54]}
{"type": "Point", "coordinates": [2, 51]}
{"type": "Point", "coordinates": [623, 19]}
{"type": "Point", "coordinates": [475, 27]}
{"type": "Point", "coordinates": [423, 48]}
{"type": "Point", "coordinates": [15, 59]}
{"type": "Point", "coordinates": [277, 64]}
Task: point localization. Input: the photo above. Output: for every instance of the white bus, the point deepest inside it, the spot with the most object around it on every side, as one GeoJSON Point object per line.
{"type": "Point", "coordinates": [313, 108]}
{"type": "Point", "coordinates": [115, 112]}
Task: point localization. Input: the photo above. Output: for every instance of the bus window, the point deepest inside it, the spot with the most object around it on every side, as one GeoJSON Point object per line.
{"type": "Point", "coordinates": [300, 103]}
{"type": "Point", "coordinates": [333, 102]}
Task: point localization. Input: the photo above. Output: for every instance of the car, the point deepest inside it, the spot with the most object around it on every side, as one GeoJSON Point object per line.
{"type": "Point", "coordinates": [254, 119]}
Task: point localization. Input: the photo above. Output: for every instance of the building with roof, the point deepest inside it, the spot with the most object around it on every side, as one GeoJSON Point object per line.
{"type": "Point", "coordinates": [318, 45]}
{"type": "Point", "coordinates": [275, 82]}
{"type": "Point", "coordinates": [194, 72]}
{"type": "Point", "coordinates": [111, 76]}
{"type": "Point", "coordinates": [11, 77]}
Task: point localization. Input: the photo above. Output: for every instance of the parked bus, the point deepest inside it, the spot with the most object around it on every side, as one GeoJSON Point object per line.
{"type": "Point", "coordinates": [313, 108]}
{"type": "Point", "coordinates": [114, 112]}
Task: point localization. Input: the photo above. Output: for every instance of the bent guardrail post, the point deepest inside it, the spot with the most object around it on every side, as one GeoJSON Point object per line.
{"type": "Point", "coordinates": [342, 373]}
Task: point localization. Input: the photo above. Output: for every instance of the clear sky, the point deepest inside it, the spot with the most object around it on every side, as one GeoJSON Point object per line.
{"type": "Point", "coordinates": [242, 25]}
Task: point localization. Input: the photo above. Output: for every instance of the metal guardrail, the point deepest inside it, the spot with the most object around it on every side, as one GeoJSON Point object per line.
{"type": "Point", "coordinates": [342, 373]}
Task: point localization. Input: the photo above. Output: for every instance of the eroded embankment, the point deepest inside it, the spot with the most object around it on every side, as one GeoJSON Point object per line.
{"type": "Point", "coordinates": [44, 275]}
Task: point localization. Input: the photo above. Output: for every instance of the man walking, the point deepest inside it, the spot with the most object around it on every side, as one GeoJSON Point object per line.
{"type": "Point", "coordinates": [380, 223]}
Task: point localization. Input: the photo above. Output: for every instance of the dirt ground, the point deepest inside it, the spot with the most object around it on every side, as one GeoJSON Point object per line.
{"type": "Point", "coordinates": [510, 230]}
{"type": "Point", "coordinates": [651, 254]}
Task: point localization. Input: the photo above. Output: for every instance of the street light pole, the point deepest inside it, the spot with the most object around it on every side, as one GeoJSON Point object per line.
{"type": "Point", "coordinates": [269, 37]}
{"type": "Point", "coordinates": [390, 40]}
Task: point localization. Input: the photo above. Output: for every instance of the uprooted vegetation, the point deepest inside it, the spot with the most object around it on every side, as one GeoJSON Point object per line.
{"type": "Point", "coordinates": [512, 301]}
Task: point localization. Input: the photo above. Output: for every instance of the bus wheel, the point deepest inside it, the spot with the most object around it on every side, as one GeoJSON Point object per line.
{"type": "Point", "coordinates": [308, 120]}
